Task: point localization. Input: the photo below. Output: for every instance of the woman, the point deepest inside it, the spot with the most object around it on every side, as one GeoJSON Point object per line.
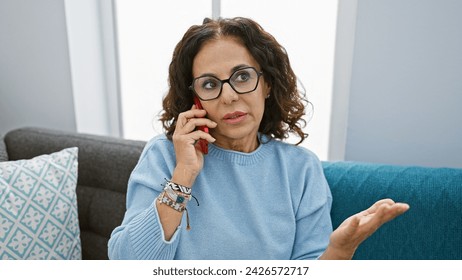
{"type": "Point", "coordinates": [253, 196]}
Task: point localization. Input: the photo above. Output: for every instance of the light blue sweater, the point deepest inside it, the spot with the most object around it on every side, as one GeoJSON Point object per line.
{"type": "Point", "coordinates": [273, 203]}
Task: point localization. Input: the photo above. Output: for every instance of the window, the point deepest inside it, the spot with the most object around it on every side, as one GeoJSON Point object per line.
{"type": "Point", "coordinates": [149, 30]}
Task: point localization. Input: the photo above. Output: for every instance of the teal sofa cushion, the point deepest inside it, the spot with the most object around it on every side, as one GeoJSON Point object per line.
{"type": "Point", "coordinates": [431, 229]}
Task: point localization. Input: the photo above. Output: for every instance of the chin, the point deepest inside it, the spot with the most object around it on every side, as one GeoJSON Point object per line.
{"type": "Point", "coordinates": [236, 133]}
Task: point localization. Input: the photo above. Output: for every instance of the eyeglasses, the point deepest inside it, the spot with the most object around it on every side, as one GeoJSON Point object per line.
{"type": "Point", "coordinates": [208, 87]}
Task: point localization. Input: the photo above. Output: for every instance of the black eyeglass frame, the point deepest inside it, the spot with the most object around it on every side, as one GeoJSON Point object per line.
{"type": "Point", "coordinates": [222, 82]}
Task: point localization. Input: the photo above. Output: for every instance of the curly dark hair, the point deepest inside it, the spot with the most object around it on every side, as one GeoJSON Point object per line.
{"type": "Point", "coordinates": [284, 108]}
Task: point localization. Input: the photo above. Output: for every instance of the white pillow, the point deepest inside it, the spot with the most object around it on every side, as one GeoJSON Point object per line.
{"type": "Point", "coordinates": [38, 207]}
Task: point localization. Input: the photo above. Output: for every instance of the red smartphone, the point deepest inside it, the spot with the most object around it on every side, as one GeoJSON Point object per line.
{"type": "Point", "coordinates": [203, 144]}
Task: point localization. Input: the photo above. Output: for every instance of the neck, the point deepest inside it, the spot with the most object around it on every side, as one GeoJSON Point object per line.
{"type": "Point", "coordinates": [238, 145]}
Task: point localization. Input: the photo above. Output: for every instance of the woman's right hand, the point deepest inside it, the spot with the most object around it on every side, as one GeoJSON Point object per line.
{"type": "Point", "coordinates": [189, 159]}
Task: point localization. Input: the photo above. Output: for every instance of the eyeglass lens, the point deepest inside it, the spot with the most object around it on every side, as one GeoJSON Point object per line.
{"type": "Point", "coordinates": [242, 81]}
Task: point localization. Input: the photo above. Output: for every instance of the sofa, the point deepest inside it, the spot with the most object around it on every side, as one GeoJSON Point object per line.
{"type": "Point", "coordinates": [431, 229]}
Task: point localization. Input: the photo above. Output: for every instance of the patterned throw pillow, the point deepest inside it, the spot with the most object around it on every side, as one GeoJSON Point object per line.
{"type": "Point", "coordinates": [38, 207]}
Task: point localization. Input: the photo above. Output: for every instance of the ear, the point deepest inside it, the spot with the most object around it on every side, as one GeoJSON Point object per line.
{"type": "Point", "coordinates": [268, 90]}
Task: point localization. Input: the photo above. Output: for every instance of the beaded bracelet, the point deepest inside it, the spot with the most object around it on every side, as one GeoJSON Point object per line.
{"type": "Point", "coordinates": [164, 199]}
{"type": "Point", "coordinates": [177, 197]}
{"type": "Point", "coordinates": [184, 191]}
{"type": "Point", "coordinates": [178, 187]}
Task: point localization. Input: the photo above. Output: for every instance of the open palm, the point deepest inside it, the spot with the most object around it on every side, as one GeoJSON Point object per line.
{"type": "Point", "coordinates": [354, 230]}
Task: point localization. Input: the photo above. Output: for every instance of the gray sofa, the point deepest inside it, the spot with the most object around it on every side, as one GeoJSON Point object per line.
{"type": "Point", "coordinates": [431, 229]}
{"type": "Point", "coordinates": [104, 167]}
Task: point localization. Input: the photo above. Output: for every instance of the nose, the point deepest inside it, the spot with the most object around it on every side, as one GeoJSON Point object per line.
{"type": "Point", "coordinates": [228, 94]}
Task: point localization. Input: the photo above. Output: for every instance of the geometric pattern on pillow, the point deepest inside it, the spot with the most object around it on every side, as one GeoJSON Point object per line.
{"type": "Point", "coordinates": [38, 207]}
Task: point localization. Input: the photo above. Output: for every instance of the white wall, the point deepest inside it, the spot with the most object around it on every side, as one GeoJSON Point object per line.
{"type": "Point", "coordinates": [406, 86]}
{"type": "Point", "coordinates": [343, 59]}
{"type": "Point", "coordinates": [35, 79]}
{"type": "Point", "coordinates": [92, 50]}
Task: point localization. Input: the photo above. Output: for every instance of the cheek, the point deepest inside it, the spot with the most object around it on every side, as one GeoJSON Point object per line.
{"type": "Point", "coordinates": [260, 106]}
{"type": "Point", "coordinates": [212, 113]}
{"type": "Point", "coordinates": [261, 111]}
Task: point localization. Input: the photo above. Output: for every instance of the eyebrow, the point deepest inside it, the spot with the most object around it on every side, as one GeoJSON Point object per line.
{"type": "Point", "coordinates": [234, 69]}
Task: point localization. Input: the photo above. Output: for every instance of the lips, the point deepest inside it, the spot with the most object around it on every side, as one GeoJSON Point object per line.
{"type": "Point", "coordinates": [234, 117]}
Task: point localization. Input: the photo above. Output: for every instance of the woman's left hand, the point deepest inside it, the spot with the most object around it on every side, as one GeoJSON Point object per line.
{"type": "Point", "coordinates": [353, 231]}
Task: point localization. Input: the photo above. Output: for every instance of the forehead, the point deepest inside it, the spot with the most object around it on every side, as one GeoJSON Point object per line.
{"type": "Point", "coordinates": [220, 56]}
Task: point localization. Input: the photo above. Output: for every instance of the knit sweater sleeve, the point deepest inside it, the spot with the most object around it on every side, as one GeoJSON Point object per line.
{"type": "Point", "coordinates": [140, 236]}
{"type": "Point", "coordinates": [313, 219]}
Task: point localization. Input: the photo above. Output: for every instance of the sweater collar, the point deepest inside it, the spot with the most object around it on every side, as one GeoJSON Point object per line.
{"type": "Point", "coordinates": [263, 150]}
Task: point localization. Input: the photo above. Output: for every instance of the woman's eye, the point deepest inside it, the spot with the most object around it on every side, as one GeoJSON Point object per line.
{"type": "Point", "coordinates": [243, 76]}
{"type": "Point", "coordinates": [209, 84]}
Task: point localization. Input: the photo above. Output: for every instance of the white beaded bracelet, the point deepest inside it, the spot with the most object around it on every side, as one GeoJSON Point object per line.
{"type": "Point", "coordinates": [178, 187]}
